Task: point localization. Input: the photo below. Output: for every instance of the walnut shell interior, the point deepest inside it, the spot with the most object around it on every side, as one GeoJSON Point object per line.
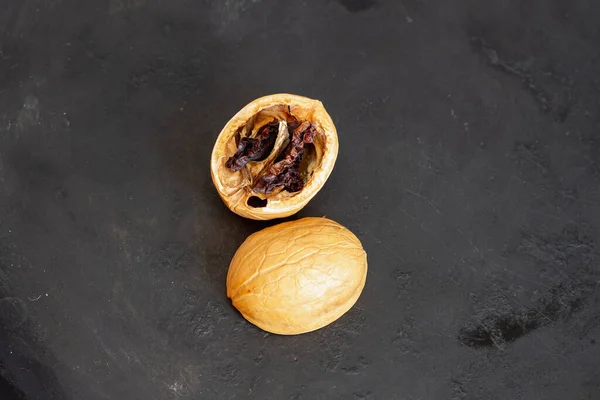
{"type": "Point", "coordinates": [274, 156]}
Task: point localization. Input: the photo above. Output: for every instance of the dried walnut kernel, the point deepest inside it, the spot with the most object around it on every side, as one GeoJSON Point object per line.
{"type": "Point", "coordinates": [274, 156]}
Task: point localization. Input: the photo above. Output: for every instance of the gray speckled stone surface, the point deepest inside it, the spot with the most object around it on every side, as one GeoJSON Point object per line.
{"type": "Point", "coordinates": [469, 167]}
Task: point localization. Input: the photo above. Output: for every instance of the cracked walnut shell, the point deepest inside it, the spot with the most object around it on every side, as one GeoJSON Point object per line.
{"type": "Point", "coordinates": [273, 156]}
{"type": "Point", "coordinates": [297, 277]}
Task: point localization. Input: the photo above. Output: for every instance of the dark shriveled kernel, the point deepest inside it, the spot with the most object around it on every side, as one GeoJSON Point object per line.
{"type": "Point", "coordinates": [285, 171]}
{"type": "Point", "coordinates": [254, 149]}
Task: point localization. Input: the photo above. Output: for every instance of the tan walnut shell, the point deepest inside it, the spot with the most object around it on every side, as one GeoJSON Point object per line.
{"type": "Point", "coordinates": [297, 277]}
{"type": "Point", "coordinates": [237, 189]}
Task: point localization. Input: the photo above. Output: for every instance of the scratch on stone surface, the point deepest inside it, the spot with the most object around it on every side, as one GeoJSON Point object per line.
{"type": "Point", "coordinates": [529, 152]}
{"type": "Point", "coordinates": [121, 300]}
{"type": "Point", "coordinates": [253, 384]}
{"type": "Point", "coordinates": [475, 248]}
{"type": "Point", "coordinates": [189, 375]}
{"type": "Point", "coordinates": [130, 356]}
{"type": "Point", "coordinates": [403, 211]}
{"type": "Point", "coordinates": [425, 199]}
{"type": "Point", "coordinates": [432, 165]}
{"type": "Point", "coordinates": [388, 248]}
{"type": "Point", "coordinates": [407, 17]}
{"type": "Point", "coordinates": [519, 70]}
{"type": "Point", "coordinates": [106, 349]}
{"type": "Point", "coordinates": [98, 338]}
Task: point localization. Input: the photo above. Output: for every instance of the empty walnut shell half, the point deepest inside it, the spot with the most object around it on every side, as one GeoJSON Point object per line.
{"type": "Point", "coordinates": [274, 156]}
{"type": "Point", "coordinates": [297, 277]}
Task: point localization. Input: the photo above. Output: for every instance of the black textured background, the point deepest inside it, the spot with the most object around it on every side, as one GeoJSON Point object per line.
{"type": "Point", "coordinates": [469, 167]}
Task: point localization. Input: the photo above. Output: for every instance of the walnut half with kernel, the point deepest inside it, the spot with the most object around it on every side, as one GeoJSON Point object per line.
{"type": "Point", "coordinates": [274, 156]}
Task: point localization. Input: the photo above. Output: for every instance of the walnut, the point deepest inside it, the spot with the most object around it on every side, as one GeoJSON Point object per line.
{"type": "Point", "coordinates": [274, 156]}
{"type": "Point", "coordinates": [296, 277]}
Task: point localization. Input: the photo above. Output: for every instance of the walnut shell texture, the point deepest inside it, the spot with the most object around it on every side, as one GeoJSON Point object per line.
{"type": "Point", "coordinates": [237, 189]}
{"type": "Point", "coordinates": [298, 276]}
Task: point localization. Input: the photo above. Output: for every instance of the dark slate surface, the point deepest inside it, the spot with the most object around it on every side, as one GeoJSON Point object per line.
{"type": "Point", "coordinates": [469, 167]}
